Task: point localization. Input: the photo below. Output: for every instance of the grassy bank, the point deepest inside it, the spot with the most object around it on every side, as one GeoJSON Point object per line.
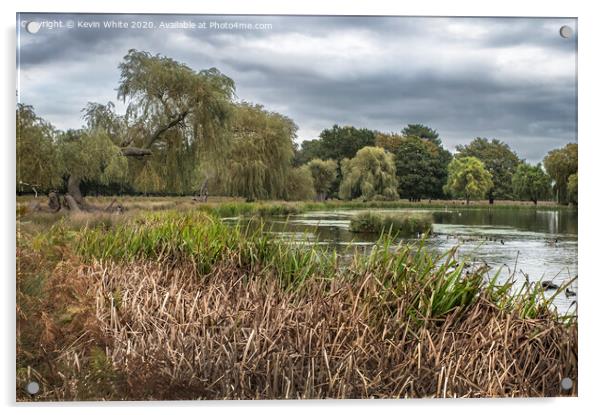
{"type": "Point", "coordinates": [176, 305]}
{"type": "Point", "coordinates": [232, 207]}
{"type": "Point", "coordinates": [150, 203]}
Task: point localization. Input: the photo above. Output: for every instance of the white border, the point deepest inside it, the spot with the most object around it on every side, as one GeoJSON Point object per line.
{"type": "Point", "coordinates": [589, 135]}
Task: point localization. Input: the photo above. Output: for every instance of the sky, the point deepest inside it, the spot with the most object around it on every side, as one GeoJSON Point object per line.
{"type": "Point", "coordinates": [513, 79]}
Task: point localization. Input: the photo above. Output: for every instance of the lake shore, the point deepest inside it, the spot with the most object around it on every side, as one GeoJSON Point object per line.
{"type": "Point", "coordinates": [178, 305]}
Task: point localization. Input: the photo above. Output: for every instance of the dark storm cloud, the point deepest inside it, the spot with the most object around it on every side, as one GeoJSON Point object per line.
{"type": "Point", "coordinates": [512, 79]}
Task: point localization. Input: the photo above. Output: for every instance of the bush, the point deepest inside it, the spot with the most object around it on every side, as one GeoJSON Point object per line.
{"type": "Point", "coordinates": [398, 223]}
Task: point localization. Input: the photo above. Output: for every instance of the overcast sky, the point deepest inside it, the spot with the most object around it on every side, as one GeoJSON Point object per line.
{"type": "Point", "coordinates": [512, 79]}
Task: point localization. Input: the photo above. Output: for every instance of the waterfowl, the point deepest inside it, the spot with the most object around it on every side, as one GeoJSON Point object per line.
{"type": "Point", "coordinates": [502, 241]}
{"type": "Point", "coordinates": [549, 285]}
{"type": "Point", "coordinates": [570, 293]}
{"type": "Point", "coordinates": [552, 243]}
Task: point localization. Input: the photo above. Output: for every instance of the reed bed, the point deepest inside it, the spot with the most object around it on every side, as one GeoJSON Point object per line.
{"type": "Point", "coordinates": [401, 223]}
{"type": "Point", "coordinates": [175, 306]}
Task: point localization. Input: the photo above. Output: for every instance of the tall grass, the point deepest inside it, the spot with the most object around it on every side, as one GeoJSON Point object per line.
{"type": "Point", "coordinates": [178, 305]}
{"type": "Point", "coordinates": [401, 223]}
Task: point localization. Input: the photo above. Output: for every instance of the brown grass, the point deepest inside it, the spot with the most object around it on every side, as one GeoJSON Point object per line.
{"type": "Point", "coordinates": [148, 330]}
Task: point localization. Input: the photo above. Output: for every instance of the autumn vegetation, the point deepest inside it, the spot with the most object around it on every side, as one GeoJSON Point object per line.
{"type": "Point", "coordinates": [177, 305]}
{"type": "Point", "coordinates": [124, 296]}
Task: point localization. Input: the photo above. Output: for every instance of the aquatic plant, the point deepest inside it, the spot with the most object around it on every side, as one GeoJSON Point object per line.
{"type": "Point", "coordinates": [174, 305]}
{"type": "Point", "coordinates": [399, 223]}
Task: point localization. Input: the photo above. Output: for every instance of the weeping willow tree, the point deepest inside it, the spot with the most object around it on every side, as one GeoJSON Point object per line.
{"type": "Point", "coordinates": [38, 164]}
{"type": "Point", "coordinates": [175, 116]}
{"type": "Point", "coordinates": [261, 153]}
{"type": "Point", "coordinates": [369, 175]}
{"type": "Point", "coordinates": [300, 184]}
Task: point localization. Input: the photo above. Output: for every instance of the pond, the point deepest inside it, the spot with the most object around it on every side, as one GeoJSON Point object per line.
{"type": "Point", "coordinates": [533, 244]}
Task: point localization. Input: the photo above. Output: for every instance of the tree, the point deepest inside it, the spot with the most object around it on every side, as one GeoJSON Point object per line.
{"type": "Point", "coordinates": [560, 165]}
{"type": "Point", "coordinates": [89, 155]}
{"type": "Point", "coordinates": [390, 142]}
{"type": "Point", "coordinates": [414, 162]}
{"type": "Point", "coordinates": [433, 166]}
{"type": "Point", "coordinates": [324, 173]}
{"type": "Point", "coordinates": [369, 175]}
{"type": "Point", "coordinates": [174, 117]}
{"type": "Point", "coordinates": [300, 184]}
{"type": "Point", "coordinates": [499, 160]}
{"type": "Point", "coordinates": [467, 178]}
{"type": "Point", "coordinates": [572, 189]}
{"type": "Point", "coordinates": [310, 149]}
{"type": "Point", "coordinates": [260, 154]}
{"type": "Point", "coordinates": [422, 131]}
{"type": "Point", "coordinates": [38, 164]}
{"type": "Point", "coordinates": [338, 142]}
{"type": "Point", "coordinates": [531, 183]}
{"type": "Point", "coordinates": [421, 168]}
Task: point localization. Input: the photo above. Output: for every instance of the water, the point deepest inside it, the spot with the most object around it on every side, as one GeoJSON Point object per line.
{"type": "Point", "coordinates": [527, 243]}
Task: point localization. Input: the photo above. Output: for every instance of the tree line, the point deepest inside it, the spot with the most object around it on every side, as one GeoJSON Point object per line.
{"type": "Point", "coordinates": [183, 132]}
{"type": "Point", "coordinates": [414, 165]}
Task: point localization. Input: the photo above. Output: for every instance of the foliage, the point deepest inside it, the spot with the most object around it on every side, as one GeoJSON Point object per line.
{"type": "Point", "coordinates": [261, 153]}
{"type": "Point", "coordinates": [397, 223]}
{"type": "Point", "coordinates": [274, 307]}
{"type": "Point", "coordinates": [390, 142]}
{"type": "Point", "coordinates": [164, 93]}
{"type": "Point", "coordinates": [103, 117]}
{"type": "Point", "coordinates": [499, 160]}
{"type": "Point", "coordinates": [91, 155]}
{"type": "Point", "coordinates": [422, 131]}
{"type": "Point", "coordinates": [531, 183]}
{"type": "Point", "coordinates": [468, 178]}
{"type": "Point", "coordinates": [560, 164]}
{"type": "Point", "coordinates": [338, 143]}
{"type": "Point", "coordinates": [310, 149]}
{"type": "Point", "coordinates": [324, 173]}
{"type": "Point", "coordinates": [38, 164]}
{"type": "Point", "coordinates": [572, 187]}
{"type": "Point", "coordinates": [179, 114]}
{"type": "Point", "coordinates": [300, 184]}
{"type": "Point", "coordinates": [369, 175]}
{"type": "Point", "coordinates": [421, 168]}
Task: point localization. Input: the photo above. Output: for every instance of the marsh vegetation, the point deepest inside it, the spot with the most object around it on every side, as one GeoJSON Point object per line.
{"type": "Point", "coordinates": [190, 249]}
{"type": "Point", "coordinates": [178, 305]}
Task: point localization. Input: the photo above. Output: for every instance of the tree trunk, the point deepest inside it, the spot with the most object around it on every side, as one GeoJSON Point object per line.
{"type": "Point", "coordinates": [70, 201]}
{"type": "Point", "coordinates": [467, 201]}
{"type": "Point", "coordinates": [535, 202]}
{"type": "Point", "coordinates": [73, 189]}
{"type": "Point", "coordinates": [53, 202]}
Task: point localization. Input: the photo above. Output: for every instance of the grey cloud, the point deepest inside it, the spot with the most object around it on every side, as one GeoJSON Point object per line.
{"type": "Point", "coordinates": [450, 73]}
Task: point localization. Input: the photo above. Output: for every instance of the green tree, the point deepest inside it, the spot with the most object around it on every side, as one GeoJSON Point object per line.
{"type": "Point", "coordinates": [260, 154]}
{"type": "Point", "coordinates": [300, 184]}
{"type": "Point", "coordinates": [499, 160]}
{"type": "Point", "coordinates": [175, 116]}
{"type": "Point", "coordinates": [369, 175]}
{"type": "Point", "coordinates": [310, 149]}
{"type": "Point", "coordinates": [38, 164]}
{"type": "Point", "coordinates": [421, 168]}
{"type": "Point", "coordinates": [89, 155]}
{"type": "Point", "coordinates": [572, 189]}
{"type": "Point", "coordinates": [324, 173]}
{"type": "Point", "coordinates": [338, 142]}
{"type": "Point", "coordinates": [468, 178]}
{"type": "Point", "coordinates": [560, 165]}
{"type": "Point", "coordinates": [422, 131]}
{"type": "Point", "coordinates": [531, 183]}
